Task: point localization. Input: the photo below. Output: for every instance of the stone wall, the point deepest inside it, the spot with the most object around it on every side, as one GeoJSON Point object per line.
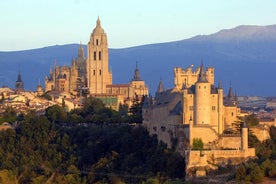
{"type": "Point", "coordinates": [212, 158]}
{"type": "Point", "coordinates": [230, 142]}
{"type": "Point", "coordinates": [262, 133]}
{"type": "Point", "coordinates": [230, 116]}
{"type": "Point", "coordinates": [206, 133]}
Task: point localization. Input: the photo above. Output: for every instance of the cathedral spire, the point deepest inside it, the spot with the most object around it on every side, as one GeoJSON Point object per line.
{"type": "Point", "coordinates": [98, 22]}
{"type": "Point", "coordinates": [136, 73]}
{"type": "Point", "coordinates": [98, 29]}
{"type": "Point", "coordinates": [80, 51]}
{"type": "Point", "coordinates": [19, 79]}
{"type": "Point", "coordinates": [19, 84]}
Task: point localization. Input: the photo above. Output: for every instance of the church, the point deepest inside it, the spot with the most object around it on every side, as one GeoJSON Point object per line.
{"type": "Point", "coordinates": [194, 111]}
{"type": "Point", "coordinates": [94, 76]}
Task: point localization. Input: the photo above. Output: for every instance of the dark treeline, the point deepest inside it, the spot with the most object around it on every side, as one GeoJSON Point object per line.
{"type": "Point", "coordinates": [89, 145]}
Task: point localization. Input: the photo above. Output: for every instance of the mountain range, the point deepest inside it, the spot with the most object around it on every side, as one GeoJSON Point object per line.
{"type": "Point", "coordinates": [244, 56]}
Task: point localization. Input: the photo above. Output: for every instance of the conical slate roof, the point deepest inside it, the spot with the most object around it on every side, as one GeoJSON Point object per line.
{"type": "Point", "coordinates": [202, 76]}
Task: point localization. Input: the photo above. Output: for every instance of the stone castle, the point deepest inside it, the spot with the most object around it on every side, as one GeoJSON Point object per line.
{"type": "Point", "coordinates": [195, 109]}
{"type": "Point", "coordinates": [93, 74]}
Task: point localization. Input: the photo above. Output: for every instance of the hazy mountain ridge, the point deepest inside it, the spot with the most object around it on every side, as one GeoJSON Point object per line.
{"type": "Point", "coordinates": [244, 55]}
{"type": "Point", "coordinates": [241, 33]}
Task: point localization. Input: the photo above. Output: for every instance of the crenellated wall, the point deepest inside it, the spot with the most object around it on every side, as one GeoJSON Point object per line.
{"type": "Point", "coordinates": [209, 158]}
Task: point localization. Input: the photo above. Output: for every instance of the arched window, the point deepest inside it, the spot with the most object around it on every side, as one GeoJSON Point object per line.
{"type": "Point", "coordinates": [100, 55]}
{"type": "Point", "coordinates": [97, 42]}
{"type": "Point", "coordinates": [95, 55]}
{"type": "Point", "coordinates": [100, 72]}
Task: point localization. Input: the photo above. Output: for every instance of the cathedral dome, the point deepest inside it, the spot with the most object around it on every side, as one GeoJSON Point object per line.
{"type": "Point", "coordinates": [98, 29]}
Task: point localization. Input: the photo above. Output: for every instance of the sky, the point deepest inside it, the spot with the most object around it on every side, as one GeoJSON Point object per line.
{"type": "Point", "coordinates": [29, 24]}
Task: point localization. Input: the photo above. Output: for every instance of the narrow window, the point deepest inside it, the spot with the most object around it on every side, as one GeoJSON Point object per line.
{"type": "Point", "coordinates": [95, 55]}
{"type": "Point", "coordinates": [94, 72]}
{"type": "Point", "coordinates": [100, 72]}
{"type": "Point", "coordinates": [97, 42]}
{"type": "Point", "coordinates": [100, 55]}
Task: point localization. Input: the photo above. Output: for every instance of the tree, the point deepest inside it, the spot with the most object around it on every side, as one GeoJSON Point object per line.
{"type": "Point", "coordinates": [136, 110]}
{"type": "Point", "coordinates": [250, 120]}
{"type": "Point", "coordinates": [197, 144]}
{"type": "Point", "coordinates": [256, 174]}
{"type": "Point", "coordinates": [91, 106]}
{"type": "Point", "coordinates": [56, 114]}
{"type": "Point", "coordinates": [9, 115]}
{"type": "Point", "coordinates": [123, 113]}
{"type": "Point", "coordinates": [240, 173]}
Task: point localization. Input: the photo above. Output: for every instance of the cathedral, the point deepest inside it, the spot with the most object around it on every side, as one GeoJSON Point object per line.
{"type": "Point", "coordinates": [93, 75]}
{"type": "Point", "coordinates": [68, 79]}
{"type": "Point", "coordinates": [196, 110]}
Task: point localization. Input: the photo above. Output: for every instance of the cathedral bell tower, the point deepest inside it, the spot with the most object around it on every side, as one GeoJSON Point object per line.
{"type": "Point", "coordinates": [98, 74]}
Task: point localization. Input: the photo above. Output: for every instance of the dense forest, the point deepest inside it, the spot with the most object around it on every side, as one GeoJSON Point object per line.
{"type": "Point", "coordinates": [90, 145]}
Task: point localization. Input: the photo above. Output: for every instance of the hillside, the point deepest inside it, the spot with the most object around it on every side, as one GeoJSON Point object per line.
{"type": "Point", "coordinates": [244, 55]}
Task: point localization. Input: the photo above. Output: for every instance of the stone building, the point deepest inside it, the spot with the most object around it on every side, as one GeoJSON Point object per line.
{"type": "Point", "coordinates": [98, 73]}
{"type": "Point", "coordinates": [195, 109]}
{"type": "Point", "coordinates": [68, 79]}
{"type": "Point", "coordinates": [93, 74]}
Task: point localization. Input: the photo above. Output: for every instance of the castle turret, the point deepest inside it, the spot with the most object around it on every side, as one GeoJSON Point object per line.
{"type": "Point", "coordinates": [230, 99]}
{"type": "Point", "coordinates": [202, 99]}
{"type": "Point", "coordinates": [160, 89]}
{"type": "Point", "coordinates": [230, 92]}
{"type": "Point", "coordinates": [220, 109]}
{"type": "Point", "coordinates": [244, 137]}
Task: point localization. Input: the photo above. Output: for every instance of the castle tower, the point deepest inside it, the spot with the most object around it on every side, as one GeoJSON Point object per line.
{"type": "Point", "coordinates": [220, 109]}
{"type": "Point", "coordinates": [98, 74]}
{"type": "Point", "coordinates": [202, 99]}
{"type": "Point", "coordinates": [19, 84]}
{"type": "Point", "coordinates": [244, 137]}
{"type": "Point", "coordinates": [230, 92]}
{"type": "Point", "coordinates": [160, 89]}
